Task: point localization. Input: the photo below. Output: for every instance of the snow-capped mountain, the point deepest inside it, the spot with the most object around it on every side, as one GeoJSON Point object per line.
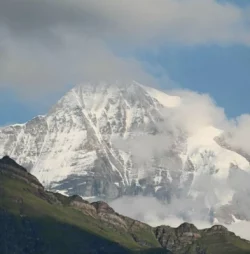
{"type": "Point", "coordinates": [87, 144]}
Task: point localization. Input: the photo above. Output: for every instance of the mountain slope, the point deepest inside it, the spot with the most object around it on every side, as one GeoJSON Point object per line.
{"type": "Point", "coordinates": [73, 142]}
{"type": "Point", "coordinates": [87, 144]}
{"type": "Point", "coordinates": [36, 221]}
{"type": "Point", "coordinates": [43, 222]}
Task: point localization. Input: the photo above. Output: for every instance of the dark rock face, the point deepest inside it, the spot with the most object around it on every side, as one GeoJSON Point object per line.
{"type": "Point", "coordinates": [10, 168]}
{"type": "Point", "coordinates": [177, 239]}
{"type": "Point", "coordinates": [217, 228]}
{"type": "Point", "coordinates": [102, 207]}
{"type": "Point", "coordinates": [7, 161]}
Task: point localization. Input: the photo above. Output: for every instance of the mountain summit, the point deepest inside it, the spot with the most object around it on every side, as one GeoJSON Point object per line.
{"type": "Point", "coordinates": [92, 143]}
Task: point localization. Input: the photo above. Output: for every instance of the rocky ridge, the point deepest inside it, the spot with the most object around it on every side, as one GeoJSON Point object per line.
{"type": "Point", "coordinates": [21, 194]}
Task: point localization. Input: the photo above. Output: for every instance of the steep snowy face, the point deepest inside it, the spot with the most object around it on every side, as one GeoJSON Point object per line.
{"type": "Point", "coordinates": [92, 143]}
{"type": "Point", "coordinates": [71, 147]}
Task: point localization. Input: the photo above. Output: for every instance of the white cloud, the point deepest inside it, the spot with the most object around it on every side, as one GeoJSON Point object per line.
{"type": "Point", "coordinates": [239, 133]}
{"type": "Point", "coordinates": [48, 44]}
{"type": "Point", "coordinates": [182, 21]}
{"type": "Point", "coordinates": [151, 211]}
{"type": "Point", "coordinates": [195, 112]}
{"type": "Point", "coordinates": [35, 68]}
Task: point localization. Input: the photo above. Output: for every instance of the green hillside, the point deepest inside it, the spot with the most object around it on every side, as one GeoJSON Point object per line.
{"type": "Point", "coordinates": [33, 220]}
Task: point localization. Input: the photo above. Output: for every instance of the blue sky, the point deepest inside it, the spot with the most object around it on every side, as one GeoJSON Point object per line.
{"type": "Point", "coordinates": [242, 3]}
{"type": "Point", "coordinates": [12, 110]}
{"type": "Point", "coordinates": [222, 72]}
{"type": "Point", "coordinates": [204, 62]}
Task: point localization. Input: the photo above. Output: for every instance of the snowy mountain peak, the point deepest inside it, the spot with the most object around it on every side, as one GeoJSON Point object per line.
{"type": "Point", "coordinates": [107, 140]}
{"type": "Point", "coordinates": [95, 96]}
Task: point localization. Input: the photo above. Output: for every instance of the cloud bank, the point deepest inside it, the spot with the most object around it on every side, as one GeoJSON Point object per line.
{"type": "Point", "coordinates": [48, 44]}
{"type": "Point", "coordinates": [201, 203]}
{"type": "Point", "coordinates": [183, 21]}
{"type": "Point", "coordinates": [151, 211]}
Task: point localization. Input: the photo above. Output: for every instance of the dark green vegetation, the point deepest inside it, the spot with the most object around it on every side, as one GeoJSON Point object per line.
{"type": "Point", "coordinates": [33, 220]}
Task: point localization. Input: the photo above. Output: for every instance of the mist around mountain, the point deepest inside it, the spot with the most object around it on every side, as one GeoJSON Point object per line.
{"type": "Point", "coordinates": [103, 141]}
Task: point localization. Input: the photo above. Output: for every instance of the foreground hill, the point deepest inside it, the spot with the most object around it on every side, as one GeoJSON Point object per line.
{"type": "Point", "coordinates": [34, 220]}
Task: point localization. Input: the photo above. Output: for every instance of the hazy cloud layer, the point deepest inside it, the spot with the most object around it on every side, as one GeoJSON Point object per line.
{"type": "Point", "coordinates": [184, 21]}
{"type": "Point", "coordinates": [195, 112]}
{"type": "Point", "coordinates": [151, 211]}
{"type": "Point", "coordinates": [208, 193]}
{"type": "Point", "coordinates": [48, 44]}
{"type": "Point", "coordinates": [31, 68]}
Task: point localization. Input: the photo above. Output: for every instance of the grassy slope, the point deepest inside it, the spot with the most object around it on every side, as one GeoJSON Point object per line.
{"type": "Point", "coordinates": [224, 244]}
{"type": "Point", "coordinates": [53, 228]}
{"type": "Point", "coordinates": [63, 228]}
